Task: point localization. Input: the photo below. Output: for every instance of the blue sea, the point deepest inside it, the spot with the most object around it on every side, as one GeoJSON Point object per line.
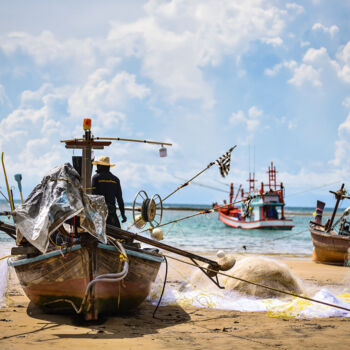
{"type": "Point", "coordinates": [206, 233]}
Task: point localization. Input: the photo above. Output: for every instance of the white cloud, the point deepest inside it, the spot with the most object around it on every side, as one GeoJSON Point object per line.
{"type": "Point", "coordinates": [332, 30]}
{"type": "Point", "coordinates": [45, 48]}
{"type": "Point", "coordinates": [277, 41]}
{"type": "Point", "coordinates": [342, 145]}
{"type": "Point", "coordinates": [292, 124]}
{"type": "Point", "coordinates": [295, 7]}
{"type": "Point", "coordinates": [346, 102]}
{"type": "Point", "coordinates": [343, 68]}
{"type": "Point", "coordinates": [177, 38]}
{"type": "Point", "coordinates": [305, 73]}
{"type": "Point", "coordinates": [105, 92]}
{"type": "Point", "coordinates": [251, 121]}
{"type": "Point", "coordinates": [316, 56]}
{"type": "Point", "coordinates": [276, 68]}
{"type": "Point", "coordinates": [316, 66]}
{"type": "Point", "coordinates": [173, 41]}
{"type": "Point", "coordinates": [304, 43]}
{"type": "Point", "coordinates": [4, 100]}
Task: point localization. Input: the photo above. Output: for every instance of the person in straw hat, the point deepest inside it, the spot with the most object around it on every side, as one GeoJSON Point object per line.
{"type": "Point", "coordinates": [106, 184]}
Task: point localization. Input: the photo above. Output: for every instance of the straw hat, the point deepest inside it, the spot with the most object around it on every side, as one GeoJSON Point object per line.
{"type": "Point", "coordinates": [103, 160]}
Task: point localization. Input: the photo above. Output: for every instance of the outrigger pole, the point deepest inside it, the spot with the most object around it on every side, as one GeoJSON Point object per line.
{"type": "Point", "coordinates": [188, 182]}
{"type": "Point", "coordinates": [122, 139]}
{"type": "Point", "coordinates": [210, 271]}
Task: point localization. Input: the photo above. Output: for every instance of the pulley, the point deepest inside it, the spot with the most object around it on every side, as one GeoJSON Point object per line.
{"type": "Point", "coordinates": [147, 210]}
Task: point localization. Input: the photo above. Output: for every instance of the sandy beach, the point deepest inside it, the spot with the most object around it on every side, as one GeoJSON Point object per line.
{"type": "Point", "coordinates": [23, 326]}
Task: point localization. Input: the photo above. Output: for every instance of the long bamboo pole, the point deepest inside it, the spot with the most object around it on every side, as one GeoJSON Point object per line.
{"type": "Point", "coordinates": [117, 232]}
{"type": "Point", "coordinates": [7, 184]}
{"type": "Point", "coordinates": [122, 139]}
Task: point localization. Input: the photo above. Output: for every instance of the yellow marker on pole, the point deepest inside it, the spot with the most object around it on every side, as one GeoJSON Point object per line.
{"type": "Point", "coordinates": [7, 184]}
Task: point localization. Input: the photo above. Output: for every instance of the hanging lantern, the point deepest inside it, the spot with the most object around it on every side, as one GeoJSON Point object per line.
{"type": "Point", "coordinates": [163, 152]}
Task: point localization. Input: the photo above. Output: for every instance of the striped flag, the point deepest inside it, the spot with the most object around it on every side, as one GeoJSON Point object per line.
{"type": "Point", "coordinates": [224, 161]}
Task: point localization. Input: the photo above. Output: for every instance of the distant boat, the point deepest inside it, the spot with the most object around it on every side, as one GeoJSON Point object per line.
{"type": "Point", "coordinates": [331, 245]}
{"type": "Point", "coordinates": [260, 209]}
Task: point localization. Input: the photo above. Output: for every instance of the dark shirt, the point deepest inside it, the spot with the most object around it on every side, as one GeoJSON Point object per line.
{"type": "Point", "coordinates": [106, 184]}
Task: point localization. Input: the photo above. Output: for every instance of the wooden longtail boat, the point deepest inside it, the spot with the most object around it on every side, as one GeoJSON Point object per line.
{"type": "Point", "coordinates": [331, 246]}
{"type": "Point", "coordinates": [58, 283]}
{"type": "Point", "coordinates": [261, 209]}
{"type": "Point", "coordinates": [83, 275]}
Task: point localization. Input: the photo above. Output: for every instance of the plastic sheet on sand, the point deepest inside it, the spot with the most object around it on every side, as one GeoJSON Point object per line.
{"type": "Point", "coordinates": [3, 282]}
{"type": "Point", "coordinates": [224, 300]}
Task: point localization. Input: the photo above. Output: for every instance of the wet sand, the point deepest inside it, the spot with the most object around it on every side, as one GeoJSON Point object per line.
{"type": "Point", "coordinates": [23, 326]}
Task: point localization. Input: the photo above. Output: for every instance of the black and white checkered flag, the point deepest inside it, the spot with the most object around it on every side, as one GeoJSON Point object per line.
{"type": "Point", "coordinates": [224, 161]}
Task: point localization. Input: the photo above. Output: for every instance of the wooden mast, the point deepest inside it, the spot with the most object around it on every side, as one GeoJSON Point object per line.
{"type": "Point", "coordinates": [86, 144]}
{"type": "Point", "coordinates": [339, 195]}
{"type": "Point", "coordinates": [86, 166]}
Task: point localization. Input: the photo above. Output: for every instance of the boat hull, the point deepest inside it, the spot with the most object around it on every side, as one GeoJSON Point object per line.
{"type": "Point", "coordinates": [53, 282]}
{"type": "Point", "coordinates": [329, 248]}
{"type": "Point", "coordinates": [270, 224]}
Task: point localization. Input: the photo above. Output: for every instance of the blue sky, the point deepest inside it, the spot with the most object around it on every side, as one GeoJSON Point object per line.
{"type": "Point", "coordinates": [273, 76]}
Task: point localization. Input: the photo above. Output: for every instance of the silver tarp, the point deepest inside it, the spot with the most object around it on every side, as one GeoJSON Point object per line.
{"type": "Point", "coordinates": [56, 199]}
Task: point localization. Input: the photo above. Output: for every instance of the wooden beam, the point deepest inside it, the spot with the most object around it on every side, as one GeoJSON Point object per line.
{"type": "Point", "coordinates": [119, 233]}
{"type": "Point", "coordinates": [85, 144]}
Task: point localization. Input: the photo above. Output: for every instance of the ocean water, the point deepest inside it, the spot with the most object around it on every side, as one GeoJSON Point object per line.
{"type": "Point", "coordinates": [206, 233]}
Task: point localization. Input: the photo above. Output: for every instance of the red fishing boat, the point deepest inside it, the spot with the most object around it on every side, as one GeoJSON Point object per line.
{"type": "Point", "coordinates": [260, 209]}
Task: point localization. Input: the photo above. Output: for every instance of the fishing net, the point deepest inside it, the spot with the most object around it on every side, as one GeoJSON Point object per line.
{"type": "Point", "coordinates": [55, 200]}
{"type": "Point", "coordinates": [198, 291]}
{"type": "Point", "coordinates": [264, 271]}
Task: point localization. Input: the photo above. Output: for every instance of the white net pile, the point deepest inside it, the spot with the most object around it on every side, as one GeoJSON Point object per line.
{"type": "Point", "coordinates": [196, 290]}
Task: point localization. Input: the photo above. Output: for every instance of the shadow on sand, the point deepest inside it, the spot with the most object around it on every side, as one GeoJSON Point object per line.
{"type": "Point", "coordinates": [138, 323]}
